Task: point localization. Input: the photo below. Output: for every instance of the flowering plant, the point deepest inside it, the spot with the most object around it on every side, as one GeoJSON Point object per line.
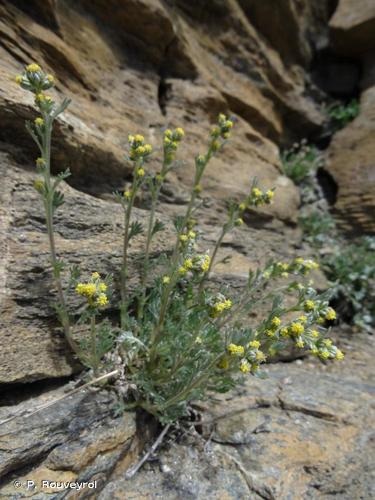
{"type": "Point", "coordinates": [179, 337]}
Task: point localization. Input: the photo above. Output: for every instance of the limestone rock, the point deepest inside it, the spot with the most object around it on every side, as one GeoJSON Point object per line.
{"type": "Point", "coordinates": [351, 162]}
{"type": "Point", "coordinates": [352, 27]}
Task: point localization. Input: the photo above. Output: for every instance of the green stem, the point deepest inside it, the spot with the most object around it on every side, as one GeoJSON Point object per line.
{"type": "Point", "coordinates": [51, 236]}
{"type": "Point", "coordinates": [124, 265]}
{"type": "Point", "coordinates": [94, 354]}
{"type": "Point", "coordinates": [146, 261]}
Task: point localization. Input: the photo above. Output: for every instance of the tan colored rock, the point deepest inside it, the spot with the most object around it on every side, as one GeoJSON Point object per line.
{"type": "Point", "coordinates": [351, 162]}
{"type": "Point", "coordinates": [353, 26]}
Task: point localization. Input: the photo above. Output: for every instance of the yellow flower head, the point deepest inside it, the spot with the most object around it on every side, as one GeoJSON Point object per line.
{"type": "Point", "coordinates": [206, 263]}
{"type": "Point", "coordinates": [276, 322]}
{"type": "Point", "coordinates": [198, 188]}
{"type": "Point", "coordinates": [50, 78]}
{"type": "Point", "coordinates": [188, 263]}
{"type": "Point", "coordinates": [224, 364]}
{"type": "Point", "coordinates": [168, 133]}
{"type": "Point", "coordinates": [309, 305]}
{"type": "Point", "coordinates": [127, 195]}
{"type": "Point", "coordinates": [324, 354]}
{"type": "Point", "coordinates": [260, 356]}
{"type": "Point", "coordinates": [139, 138]}
{"type": "Point", "coordinates": [238, 222]}
{"type": "Point", "coordinates": [95, 276]}
{"type": "Point", "coordinates": [215, 145]}
{"type": "Point", "coordinates": [39, 122]}
{"type": "Point", "coordinates": [300, 343]}
{"type": "Point", "coordinates": [33, 68]}
{"type": "Point", "coordinates": [245, 366]}
{"type": "Point", "coordinates": [270, 333]}
{"type": "Point", "coordinates": [270, 194]}
{"type": "Point", "coordinates": [166, 280]}
{"type": "Point", "coordinates": [339, 355]}
{"type": "Point", "coordinates": [179, 133]}
{"type": "Point", "coordinates": [140, 172]}
{"type": "Point", "coordinates": [102, 300]}
{"type": "Point", "coordinates": [102, 287]}
{"type": "Point", "coordinates": [86, 289]}
{"type": "Point", "coordinates": [255, 344]}
{"type": "Point", "coordinates": [236, 349]}
{"type": "Point", "coordinates": [302, 319]}
{"type": "Point", "coordinates": [184, 238]}
{"type": "Point", "coordinates": [182, 270]}
{"type": "Point", "coordinates": [299, 260]}
{"type": "Point", "coordinates": [330, 314]}
{"type": "Point", "coordinates": [215, 132]}
{"type": "Point", "coordinates": [242, 206]}
{"type": "Point", "coordinates": [39, 185]}
{"type": "Point", "coordinates": [297, 328]}
{"type": "Point", "coordinates": [141, 150]}
{"type": "Point", "coordinates": [315, 333]}
{"type": "Point", "coordinates": [192, 235]}
{"type": "Point", "coordinates": [19, 79]}
{"type": "Point", "coordinates": [327, 342]}
{"type": "Point", "coordinates": [148, 149]}
{"type": "Point", "coordinates": [40, 162]}
{"type": "Point", "coordinates": [257, 192]}
{"type": "Point", "coordinates": [284, 332]}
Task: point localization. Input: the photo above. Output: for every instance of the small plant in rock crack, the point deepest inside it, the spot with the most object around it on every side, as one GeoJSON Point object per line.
{"type": "Point", "coordinates": [301, 162]}
{"type": "Point", "coordinates": [179, 337]}
{"type": "Point", "coordinates": [342, 114]}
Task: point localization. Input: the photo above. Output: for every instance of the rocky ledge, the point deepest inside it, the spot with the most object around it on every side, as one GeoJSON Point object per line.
{"type": "Point", "coordinates": [304, 432]}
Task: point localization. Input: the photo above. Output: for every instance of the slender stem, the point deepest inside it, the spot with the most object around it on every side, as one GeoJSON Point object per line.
{"type": "Point", "coordinates": [124, 266]}
{"type": "Point", "coordinates": [94, 354]}
{"type": "Point", "coordinates": [146, 261]}
{"type": "Point", "coordinates": [51, 235]}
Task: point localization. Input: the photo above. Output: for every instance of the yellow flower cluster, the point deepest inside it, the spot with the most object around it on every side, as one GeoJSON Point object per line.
{"type": "Point", "coordinates": [245, 366]}
{"type": "Point", "coordinates": [222, 130]}
{"type": "Point", "coordinates": [33, 68]}
{"type": "Point", "coordinates": [236, 349]}
{"type": "Point", "coordinates": [297, 328]}
{"type": "Point", "coordinates": [219, 307]}
{"type": "Point", "coordinates": [205, 263]}
{"type": "Point", "coordinates": [39, 122]}
{"type": "Point", "coordinates": [309, 305]}
{"type": "Point", "coordinates": [330, 314]}
{"type": "Point", "coordinates": [94, 291]}
{"type": "Point", "coordinates": [138, 148]}
{"type": "Point", "coordinates": [172, 138]}
{"type": "Point", "coordinates": [190, 236]}
{"type": "Point", "coordinates": [255, 344]}
{"type": "Point", "coordinates": [35, 80]}
{"type": "Point", "coordinates": [259, 198]}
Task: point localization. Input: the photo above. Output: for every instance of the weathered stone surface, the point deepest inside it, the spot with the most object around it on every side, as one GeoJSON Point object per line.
{"type": "Point", "coordinates": [351, 162]}
{"type": "Point", "coordinates": [303, 433]}
{"type": "Point", "coordinates": [353, 26]}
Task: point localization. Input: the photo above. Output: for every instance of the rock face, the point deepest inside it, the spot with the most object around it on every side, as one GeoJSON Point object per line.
{"type": "Point", "coordinates": [351, 161]}
{"type": "Point", "coordinates": [350, 157]}
{"type": "Point", "coordinates": [305, 432]}
{"type": "Point", "coordinates": [352, 27]}
{"type": "Point", "coordinates": [134, 67]}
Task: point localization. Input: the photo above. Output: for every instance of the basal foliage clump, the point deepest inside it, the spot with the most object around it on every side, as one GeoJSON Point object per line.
{"type": "Point", "coordinates": [178, 337]}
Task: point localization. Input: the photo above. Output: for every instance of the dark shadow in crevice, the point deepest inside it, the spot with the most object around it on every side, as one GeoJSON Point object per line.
{"type": "Point", "coordinates": [328, 185]}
